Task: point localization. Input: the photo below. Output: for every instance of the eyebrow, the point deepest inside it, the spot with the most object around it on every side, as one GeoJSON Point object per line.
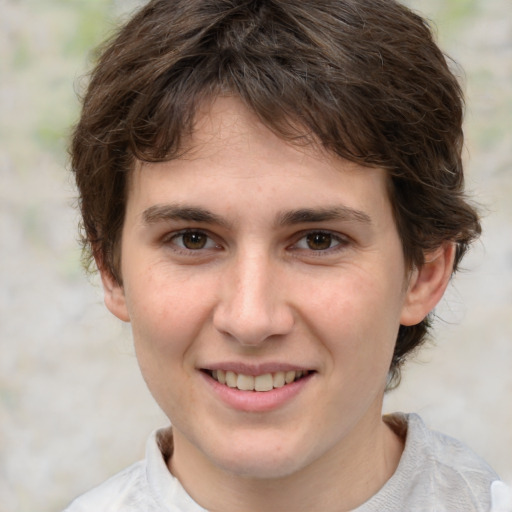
{"type": "Point", "coordinates": [312, 215]}
{"type": "Point", "coordinates": [168, 212]}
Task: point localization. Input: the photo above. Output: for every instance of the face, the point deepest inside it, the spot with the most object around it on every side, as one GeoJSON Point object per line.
{"type": "Point", "coordinates": [265, 285]}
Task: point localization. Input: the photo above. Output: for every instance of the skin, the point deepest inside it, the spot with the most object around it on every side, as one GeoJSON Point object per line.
{"type": "Point", "coordinates": [255, 282]}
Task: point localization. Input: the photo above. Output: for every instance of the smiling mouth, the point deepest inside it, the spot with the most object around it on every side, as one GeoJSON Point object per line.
{"type": "Point", "coordinates": [264, 382]}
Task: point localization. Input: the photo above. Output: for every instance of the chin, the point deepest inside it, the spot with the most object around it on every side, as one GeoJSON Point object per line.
{"type": "Point", "coordinates": [260, 459]}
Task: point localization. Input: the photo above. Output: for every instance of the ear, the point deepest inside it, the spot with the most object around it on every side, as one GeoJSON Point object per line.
{"type": "Point", "coordinates": [114, 297]}
{"type": "Point", "coordinates": [427, 284]}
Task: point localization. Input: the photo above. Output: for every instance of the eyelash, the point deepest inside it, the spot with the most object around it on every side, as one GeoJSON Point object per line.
{"type": "Point", "coordinates": [340, 242]}
{"type": "Point", "coordinates": [171, 239]}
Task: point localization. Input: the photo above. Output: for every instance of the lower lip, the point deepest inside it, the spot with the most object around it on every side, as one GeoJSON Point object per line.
{"type": "Point", "coordinates": [257, 401]}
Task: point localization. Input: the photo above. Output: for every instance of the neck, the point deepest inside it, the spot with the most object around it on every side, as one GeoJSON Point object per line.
{"type": "Point", "coordinates": [342, 479]}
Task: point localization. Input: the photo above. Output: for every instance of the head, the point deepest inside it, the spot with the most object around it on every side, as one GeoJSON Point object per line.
{"type": "Point", "coordinates": [363, 80]}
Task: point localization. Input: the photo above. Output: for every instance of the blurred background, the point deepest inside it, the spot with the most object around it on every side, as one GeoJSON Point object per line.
{"type": "Point", "coordinates": [73, 407]}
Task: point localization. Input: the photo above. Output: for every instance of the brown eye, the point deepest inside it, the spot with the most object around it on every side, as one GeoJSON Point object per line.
{"type": "Point", "coordinates": [194, 240]}
{"type": "Point", "coordinates": [319, 241]}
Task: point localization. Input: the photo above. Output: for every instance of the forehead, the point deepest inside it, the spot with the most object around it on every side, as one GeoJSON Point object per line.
{"type": "Point", "coordinates": [225, 126]}
{"type": "Point", "coordinates": [233, 155]}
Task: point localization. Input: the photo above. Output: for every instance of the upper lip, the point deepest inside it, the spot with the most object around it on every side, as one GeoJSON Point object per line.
{"type": "Point", "coordinates": [255, 369]}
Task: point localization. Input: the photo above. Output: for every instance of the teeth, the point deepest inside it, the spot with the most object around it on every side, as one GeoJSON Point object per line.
{"type": "Point", "coordinates": [289, 377]}
{"type": "Point", "coordinates": [278, 380]}
{"type": "Point", "coordinates": [245, 382]}
{"type": "Point", "coordinates": [265, 382]}
{"type": "Point", "coordinates": [231, 379]}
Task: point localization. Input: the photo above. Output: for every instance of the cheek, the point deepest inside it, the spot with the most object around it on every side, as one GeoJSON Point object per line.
{"type": "Point", "coordinates": [358, 319]}
{"type": "Point", "coordinates": [166, 311]}
{"type": "Point", "coordinates": [166, 319]}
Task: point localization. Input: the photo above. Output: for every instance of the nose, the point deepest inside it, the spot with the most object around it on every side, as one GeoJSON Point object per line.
{"type": "Point", "coordinates": [252, 307]}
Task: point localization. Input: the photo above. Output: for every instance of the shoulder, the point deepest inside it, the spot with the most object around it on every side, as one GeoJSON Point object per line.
{"type": "Point", "coordinates": [145, 486]}
{"type": "Point", "coordinates": [129, 490]}
{"type": "Point", "coordinates": [125, 491]}
{"type": "Point", "coordinates": [436, 473]}
{"type": "Point", "coordinates": [444, 471]}
{"type": "Point", "coordinates": [449, 456]}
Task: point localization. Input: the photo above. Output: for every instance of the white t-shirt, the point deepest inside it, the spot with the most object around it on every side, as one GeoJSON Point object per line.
{"type": "Point", "coordinates": [436, 474]}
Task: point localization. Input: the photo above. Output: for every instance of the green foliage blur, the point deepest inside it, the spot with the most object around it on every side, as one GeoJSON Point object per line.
{"type": "Point", "coordinates": [43, 66]}
{"type": "Point", "coordinates": [50, 47]}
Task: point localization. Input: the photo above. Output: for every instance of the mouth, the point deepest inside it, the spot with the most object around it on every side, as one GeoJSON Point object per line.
{"type": "Point", "coordinates": [261, 383]}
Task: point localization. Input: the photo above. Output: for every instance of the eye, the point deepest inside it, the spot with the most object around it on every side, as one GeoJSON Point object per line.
{"type": "Point", "coordinates": [193, 240]}
{"type": "Point", "coordinates": [319, 241]}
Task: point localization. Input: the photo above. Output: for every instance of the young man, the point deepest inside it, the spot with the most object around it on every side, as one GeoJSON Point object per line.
{"type": "Point", "coordinates": [272, 191]}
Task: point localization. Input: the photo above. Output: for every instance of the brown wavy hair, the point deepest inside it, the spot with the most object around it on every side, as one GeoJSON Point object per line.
{"type": "Point", "coordinates": [363, 78]}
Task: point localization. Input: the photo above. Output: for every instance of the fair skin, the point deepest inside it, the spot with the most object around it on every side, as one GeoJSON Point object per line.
{"type": "Point", "coordinates": [253, 256]}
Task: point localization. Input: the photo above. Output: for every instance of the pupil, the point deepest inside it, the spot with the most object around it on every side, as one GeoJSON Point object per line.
{"type": "Point", "coordinates": [319, 241]}
{"type": "Point", "coordinates": [194, 240]}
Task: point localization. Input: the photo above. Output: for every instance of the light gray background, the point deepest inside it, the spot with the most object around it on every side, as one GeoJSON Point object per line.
{"type": "Point", "coordinates": [73, 408]}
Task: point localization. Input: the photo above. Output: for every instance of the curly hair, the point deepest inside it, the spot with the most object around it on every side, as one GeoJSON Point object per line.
{"type": "Point", "coordinates": [363, 78]}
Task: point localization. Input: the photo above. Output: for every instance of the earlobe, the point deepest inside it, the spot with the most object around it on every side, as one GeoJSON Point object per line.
{"type": "Point", "coordinates": [114, 297]}
{"type": "Point", "coordinates": [428, 284]}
